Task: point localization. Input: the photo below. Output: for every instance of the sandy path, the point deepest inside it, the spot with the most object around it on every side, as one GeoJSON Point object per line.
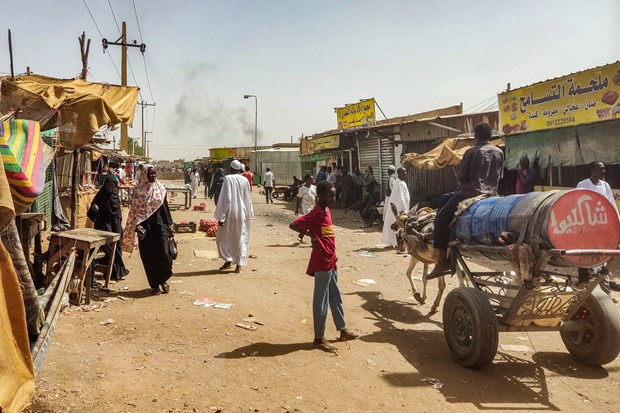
{"type": "Point", "coordinates": [163, 354]}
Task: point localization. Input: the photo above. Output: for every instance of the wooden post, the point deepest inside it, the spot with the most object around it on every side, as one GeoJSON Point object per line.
{"type": "Point", "coordinates": [11, 56]}
{"type": "Point", "coordinates": [74, 184]}
{"type": "Point", "coordinates": [124, 132]}
{"type": "Point", "coordinates": [84, 49]}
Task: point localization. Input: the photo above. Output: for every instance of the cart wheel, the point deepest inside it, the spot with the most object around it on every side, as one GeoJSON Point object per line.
{"type": "Point", "coordinates": [599, 343]}
{"type": "Point", "coordinates": [470, 327]}
{"type": "Point", "coordinates": [275, 195]}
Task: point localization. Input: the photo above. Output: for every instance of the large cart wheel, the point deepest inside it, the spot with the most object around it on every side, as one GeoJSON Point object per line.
{"type": "Point", "coordinates": [599, 342]}
{"type": "Point", "coordinates": [470, 327]}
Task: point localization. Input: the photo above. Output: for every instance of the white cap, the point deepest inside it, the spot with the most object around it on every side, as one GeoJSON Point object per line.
{"type": "Point", "coordinates": [236, 165]}
{"type": "Point", "coordinates": [243, 167]}
{"type": "Point", "coordinates": [391, 168]}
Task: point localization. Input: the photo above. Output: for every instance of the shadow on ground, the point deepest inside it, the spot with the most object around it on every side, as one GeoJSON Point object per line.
{"type": "Point", "coordinates": [510, 383]}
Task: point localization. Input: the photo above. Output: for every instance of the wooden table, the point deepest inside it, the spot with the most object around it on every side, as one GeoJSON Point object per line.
{"type": "Point", "coordinates": [89, 241]}
{"type": "Point", "coordinates": [186, 191]}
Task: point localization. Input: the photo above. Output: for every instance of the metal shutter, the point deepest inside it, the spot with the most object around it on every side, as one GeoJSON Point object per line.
{"type": "Point", "coordinates": [369, 155]}
{"type": "Point", "coordinates": [387, 159]}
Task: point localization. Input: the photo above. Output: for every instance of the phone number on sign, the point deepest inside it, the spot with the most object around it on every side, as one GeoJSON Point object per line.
{"type": "Point", "coordinates": [561, 121]}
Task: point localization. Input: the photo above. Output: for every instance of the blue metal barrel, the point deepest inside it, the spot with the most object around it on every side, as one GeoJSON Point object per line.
{"type": "Point", "coordinates": [484, 221]}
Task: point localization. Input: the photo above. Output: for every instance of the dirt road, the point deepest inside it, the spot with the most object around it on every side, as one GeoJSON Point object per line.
{"type": "Point", "coordinates": [164, 354]}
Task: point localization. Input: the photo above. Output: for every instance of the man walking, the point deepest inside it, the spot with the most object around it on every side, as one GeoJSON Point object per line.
{"type": "Point", "coordinates": [306, 198]}
{"type": "Point", "coordinates": [596, 182]}
{"type": "Point", "coordinates": [401, 199]}
{"type": "Point", "coordinates": [479, 174]}
{"type": "Point", "coordinates": [322, 266]}
{"type": "Point", "coordinates": [250, 176]}
{"type": "Point", "coordinates": [234, 214]}
{"type": "Point", "coordinates": [269, 181]}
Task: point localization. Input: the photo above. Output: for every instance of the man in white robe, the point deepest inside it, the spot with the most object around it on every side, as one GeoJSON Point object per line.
{"type": "Point", "coordinates": [234, 213]}
{"type": "Point", "coordinates": [391, 180]}
{"type": "Point", "coordinates": [400, 198]}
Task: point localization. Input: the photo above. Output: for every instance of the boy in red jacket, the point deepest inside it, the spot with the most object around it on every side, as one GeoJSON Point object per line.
{"type": "Point", "coordinates": [317, 225]}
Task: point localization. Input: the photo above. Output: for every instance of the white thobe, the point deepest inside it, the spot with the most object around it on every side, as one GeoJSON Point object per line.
{"type": "Point", "coordinates": [194, 182]}
{"type": "Point", "coordinates": [400, 198]}
{"type": "Point", "coordinates": [391, 181]}
{"type": "Point", "coordinates": [234, 209]}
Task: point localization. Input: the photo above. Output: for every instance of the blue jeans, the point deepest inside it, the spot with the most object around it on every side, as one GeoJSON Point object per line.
{"type": "Point", "coordinates": [326, 296]}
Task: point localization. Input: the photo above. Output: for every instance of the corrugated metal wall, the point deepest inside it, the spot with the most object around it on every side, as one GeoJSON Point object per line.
{"type": "Point", "coordinates": [283, 164]}
{"type": "Point", "coordinates": [423, 131]}
{"type": "Point", "coordinates": [427, 187]}
{"type": "Point", "coordinates": [387, 159]}
{"type": "Point", "coordinates": [369, 155]}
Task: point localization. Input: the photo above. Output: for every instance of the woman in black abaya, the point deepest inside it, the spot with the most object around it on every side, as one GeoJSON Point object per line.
{"type": "Point", "coordinates": [150, 222]}
{"type": "Point", "coordinates": [105, 212]}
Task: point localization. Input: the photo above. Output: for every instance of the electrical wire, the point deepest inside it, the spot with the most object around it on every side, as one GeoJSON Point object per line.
{"type": "Point", "coordinates": [101, 34]}
{"type": "Point", "coordinates": [137, 21]}
{"type": "Point", "coordinates": [481, 104]}
{"type": "Point", "coordinates": [128, 61]}
{"type": "Point", "coordinates": [146, 70]}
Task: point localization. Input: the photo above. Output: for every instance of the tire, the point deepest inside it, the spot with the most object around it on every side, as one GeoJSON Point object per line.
{"type": "Point", "coordinates": [600, 343]}
{"type": "Point", "coordinates": [275, 195]}
{"type": "Point", "coordinates": [470, 327]}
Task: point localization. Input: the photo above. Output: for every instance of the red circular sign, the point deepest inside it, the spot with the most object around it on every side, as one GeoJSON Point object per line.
{"type": "Point", "coordinates": [583, 219]}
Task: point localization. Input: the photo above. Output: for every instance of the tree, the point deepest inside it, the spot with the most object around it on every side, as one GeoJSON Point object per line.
{"type": "Point", "coordinates": [135, 146]}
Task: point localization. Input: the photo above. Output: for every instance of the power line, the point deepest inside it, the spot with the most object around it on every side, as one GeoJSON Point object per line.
{"type": "Point", "coordinates": [101, 34]}
{"type": "Point", "coordinates": [481, 104]}
{"type": "Point", "coordinates": [137, 21]}
{"type": "Point", "coordinates": [128, 61]}
{"type": "Point", "coordinates": [146, 70]}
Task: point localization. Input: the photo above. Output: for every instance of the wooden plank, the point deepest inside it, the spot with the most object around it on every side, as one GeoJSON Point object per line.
{"type": "Point", "coordinates": [110, 264]}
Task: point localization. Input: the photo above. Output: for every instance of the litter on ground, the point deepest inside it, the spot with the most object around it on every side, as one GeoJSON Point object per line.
{"type": "Point", "coordinates": [367, 254]}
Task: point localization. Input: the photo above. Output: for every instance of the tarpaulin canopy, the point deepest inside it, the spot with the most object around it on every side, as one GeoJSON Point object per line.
{"type": "Point", "coordinates": [448, 153]}
{"type": "Point", "coordinates": [16, 368]}
{"type": "Point", "coordinates": [84, 107]}
{"type": "Point", "coordinates": [25, 158]}
{"type": "Point", "coordinates": [569, 146]}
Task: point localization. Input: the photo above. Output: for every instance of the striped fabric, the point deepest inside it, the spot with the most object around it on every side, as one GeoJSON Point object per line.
{"type": "Point", "coordinates": [25, 158]}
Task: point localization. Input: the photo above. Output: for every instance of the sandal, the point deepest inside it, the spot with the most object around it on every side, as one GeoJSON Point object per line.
{"type": "Point", "coordinates": [226, 266]}
{"type": "Point", "coordinates": [165, 288]}
{"type": "Point", "coordinates": [155, 291]}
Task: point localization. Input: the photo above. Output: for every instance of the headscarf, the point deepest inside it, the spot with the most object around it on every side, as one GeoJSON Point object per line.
{"type": "Point", "coordinates": [108, 203]}
{"type": "Point", "coordinates": [148, 197]}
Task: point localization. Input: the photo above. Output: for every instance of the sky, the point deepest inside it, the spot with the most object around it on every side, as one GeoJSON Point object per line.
{"type": "Point", "coordinates": [303, 59]}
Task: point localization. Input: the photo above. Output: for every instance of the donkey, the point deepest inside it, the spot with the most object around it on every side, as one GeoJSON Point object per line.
{"type": "Point", "coordinates": [418, 248]}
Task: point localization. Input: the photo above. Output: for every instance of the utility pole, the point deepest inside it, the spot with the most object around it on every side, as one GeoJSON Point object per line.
{"type": "Point", "coordinates": [11, 56]}
{"type": "Point", "coordinates": [143, 142]}
{"type": "Point", "coordinates": [122, 41]}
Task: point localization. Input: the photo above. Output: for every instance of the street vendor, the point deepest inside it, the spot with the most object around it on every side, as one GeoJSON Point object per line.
{"type": "Point", "coordinates": [479, 174]}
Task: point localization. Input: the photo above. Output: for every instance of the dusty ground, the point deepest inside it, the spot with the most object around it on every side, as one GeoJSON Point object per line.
{"type": "Point", "coordinates": [165, 354]}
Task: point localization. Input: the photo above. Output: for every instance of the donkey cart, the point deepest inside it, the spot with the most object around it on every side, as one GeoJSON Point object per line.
{"type": "Point", "coordinates": [554, 254]}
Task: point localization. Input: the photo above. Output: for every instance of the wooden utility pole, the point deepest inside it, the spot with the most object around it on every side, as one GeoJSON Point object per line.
{"type": "Point", "coordinates": [84, 49]}
{"type": "Point", "coordinates": [124, 142]}
{"type": "Point", "coordinates": [124, 44]}
{"type": "Point", "coordinates": [11, 56]}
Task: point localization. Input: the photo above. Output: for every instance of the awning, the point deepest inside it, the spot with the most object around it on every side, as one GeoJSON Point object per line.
{"type": "Point", "coordinates": [448, 153]}
{"type": "Point", "coordinates": [84, 107]}
{"type": "Point", "coordinates": [25, 158]}
{"type": "Point", "coordinates": [578, 145]}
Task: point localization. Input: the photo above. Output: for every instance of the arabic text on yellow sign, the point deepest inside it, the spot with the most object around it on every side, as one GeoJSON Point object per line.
{"type": "Point", "coordinates": [356, 114]}
{"type": "Point", "coordinates": [585, 97]}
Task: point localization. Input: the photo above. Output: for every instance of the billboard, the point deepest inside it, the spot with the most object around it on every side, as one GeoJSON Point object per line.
{"type": "Point", "coordinates": [356, 114]}
{"type": "Point", "coordinates": [583, 97]}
